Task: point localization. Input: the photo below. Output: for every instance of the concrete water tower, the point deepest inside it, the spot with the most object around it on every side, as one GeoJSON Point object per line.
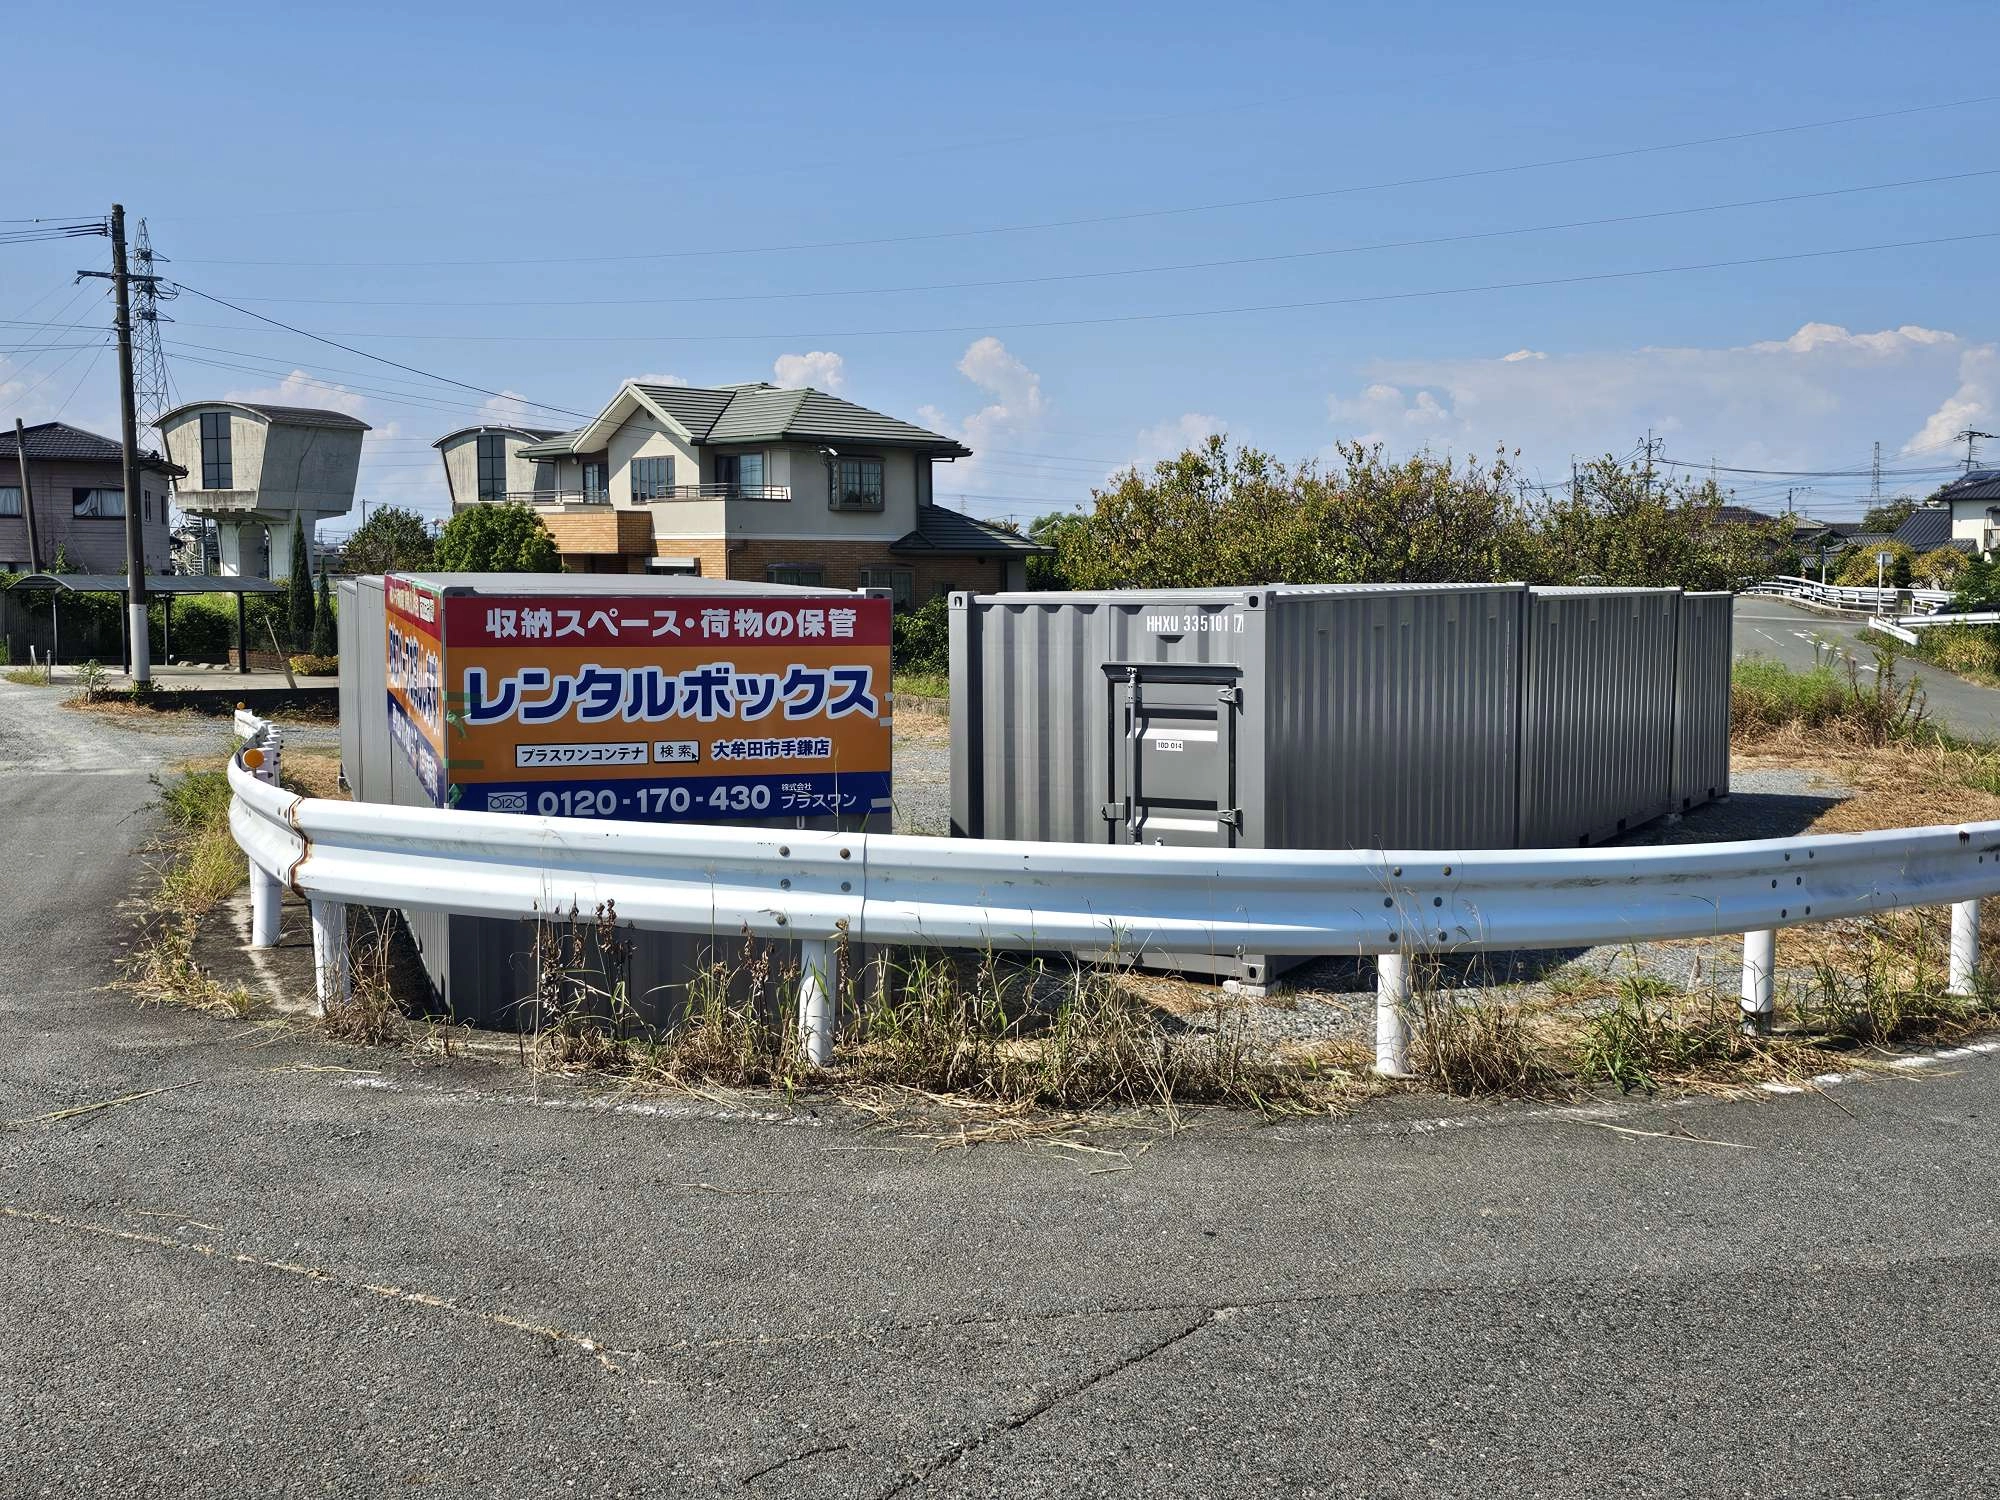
{"type": "Point", "coordinates": [252, 467]}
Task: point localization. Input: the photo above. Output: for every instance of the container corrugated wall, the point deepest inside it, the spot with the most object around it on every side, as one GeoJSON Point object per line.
{"type": "Point", "coordinates": [1391, 717]}
{"type": "Point", "coordinates": [1701, 699]}
{"type": "Point", "coordinates": [1597, 713]}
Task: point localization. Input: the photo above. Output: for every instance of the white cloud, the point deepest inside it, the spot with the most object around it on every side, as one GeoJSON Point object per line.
{"type": "Point", "coordinates": [508, 409]}
{"type": "Point", "coordinates": [821, 369]}
{"type": "Point", "coordinates": [301, 389]}
{"type": "Point", "coordinates": [656, 378]}
{"type": "Point", "coordinates": [1172, 438]}
{"type": "Point", "coordinates": [1974, 404]}
{"type": "Point", "coordinates": [1815, 399]}
{"type": "Point", "coordinates": [1010, 419]}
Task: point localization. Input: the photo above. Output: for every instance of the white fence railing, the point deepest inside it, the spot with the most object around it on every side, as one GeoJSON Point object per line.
{"type": "Point", "coordinates": [820, 888]}
{"type": "Point", "coordinates": [1839, 596]}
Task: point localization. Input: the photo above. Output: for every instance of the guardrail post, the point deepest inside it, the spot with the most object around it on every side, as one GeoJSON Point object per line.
{"type": "Point", "coordinates": [266, 895]}
{"type": "Point", "coordinates": [1964, 949]}
{"type": "Point", "coordinates": [330, 975]}
{"type": "Point", "coordinates": [1760, 961]}
{"type": "Point", "coordinates": [1392, 1015]}
{"type": "Point", "coordinates": [815, 1003]}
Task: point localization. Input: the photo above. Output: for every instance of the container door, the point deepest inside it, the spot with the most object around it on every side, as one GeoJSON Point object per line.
{"type": "Point", "coordinates": [1174, 766]}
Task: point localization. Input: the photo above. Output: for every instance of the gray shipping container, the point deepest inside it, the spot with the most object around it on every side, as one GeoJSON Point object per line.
{"type": "Point", "coordinates": [482, 969]}
{"type": "Point", "coordinates": [1701, 699]}
{"type": "Point", "coordinates": [1367, 716]}
{"type": "Point", "coordinates": [1597, 712]}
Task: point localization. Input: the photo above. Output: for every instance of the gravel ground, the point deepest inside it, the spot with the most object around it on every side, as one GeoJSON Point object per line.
{"type": "Point", "coordinates": [1332, 999]}
{"type": "Point", "coordinates": [923, 773]}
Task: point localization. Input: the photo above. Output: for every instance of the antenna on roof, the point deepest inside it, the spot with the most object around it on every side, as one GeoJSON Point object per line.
{"type": "Point", "coordinates": [1969, 437]}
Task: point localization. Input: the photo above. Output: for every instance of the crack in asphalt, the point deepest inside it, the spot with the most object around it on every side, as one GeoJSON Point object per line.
{"type": "Point", "coordinates": [1041, 1408]}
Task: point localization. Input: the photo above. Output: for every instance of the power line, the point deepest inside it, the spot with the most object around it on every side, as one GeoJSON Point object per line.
{"type": "Point", "coordinates": [1155, 270]}
{"type": "Point", "coordinates": [379, 359]}
{"type": "Point", "coordinates": [1531, 284]}
{"type": "Point", "coordinates": [1621, 154]}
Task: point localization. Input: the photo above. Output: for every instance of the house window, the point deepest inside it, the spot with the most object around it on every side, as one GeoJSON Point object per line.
{"type": "Point", "coordinates": [492, 466]}
{"type": "Point", "coordinates": [652, 479]}
{"type": "Point", "coordinates": [801, 575]}
{"type": "Point", "coordinates": [743, 473]}
{"type": "Point", "coordinates": [900, 582]}
{"type": "Point", "coordinates": [97, 505]}
{"type": "Point", "coordinates": [146, 503]}
{"type": "Point", "coordinates": [858, 484]}
{"type": "Point", "coordinates": [593, 481]}
{"type": "Point", "coordinates": [10, 500]}
{"type": "Point", "coordinates": [217, 471]}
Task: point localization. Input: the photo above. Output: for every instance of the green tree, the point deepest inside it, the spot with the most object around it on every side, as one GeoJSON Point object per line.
{"type": "Point", "coordinates": [496, 539]}
{"type": "Point", "coordinates": [299, 590]}
{"type": "Point", "coordinates": [1622, 526]}
{"type": "Point", "coordinates": [1421, 520]}
{"type": "Point", "coordinates": [1978, 588]}
{"type": "Point", "coordinates": [1858, 567]}
{"type": "Point", "coordinates": [326, 638]}
{"type": "Point", "coordinates": [1045, 571]}
{"type": "Point", "coordinates": [1889, 515]}
{"type": "Point", "coordinates": [391, 540]}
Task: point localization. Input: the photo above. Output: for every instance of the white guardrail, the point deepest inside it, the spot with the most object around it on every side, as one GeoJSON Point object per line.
{"type": "Point", "coordinates": [1923, 602]}
{"type": "Point", "coordinates": [820, 888]}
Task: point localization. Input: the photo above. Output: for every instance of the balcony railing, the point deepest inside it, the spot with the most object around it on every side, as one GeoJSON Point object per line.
{"type": "Point", "coordinates": [675, 492]}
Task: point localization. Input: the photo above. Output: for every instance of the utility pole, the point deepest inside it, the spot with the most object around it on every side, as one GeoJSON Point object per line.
{"type": "Point", "coordinates": [1969, 437]}
{"type": "Point", "coordinates": [1875, 478]}
{"type": "Point", "coordinates": [1651, 444]}
{"type": "Point", "coordinates": [135, 537]}
{"type": "Point", "coordinates": [27, 499]}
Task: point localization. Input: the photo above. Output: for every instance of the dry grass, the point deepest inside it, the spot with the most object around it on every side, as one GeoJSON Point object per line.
{"type": "Point", "coordinates": [198, 866]}
{"type": "Point", "coordinates": [311, 773]}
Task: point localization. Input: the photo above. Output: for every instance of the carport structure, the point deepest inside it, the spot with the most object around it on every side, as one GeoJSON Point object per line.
{"type": "Point", "coordinates": [166, 587]}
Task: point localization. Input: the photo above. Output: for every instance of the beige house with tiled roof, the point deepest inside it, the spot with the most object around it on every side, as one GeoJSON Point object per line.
{"type": "Point", "coordinates": [746, 482]}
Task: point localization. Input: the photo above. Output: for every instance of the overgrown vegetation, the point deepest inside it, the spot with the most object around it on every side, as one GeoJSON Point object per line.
{"type": "Point", "coordinates": [198, 867]}
{"type": "Point", "coordinates": [1217, 517]}
{"type": "Point", "coordinates": [1873, 703]}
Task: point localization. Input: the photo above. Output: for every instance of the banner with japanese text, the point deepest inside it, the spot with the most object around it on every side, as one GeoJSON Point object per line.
{"type": "Point", "coordinates": [667, 707]}
{"type": "Point", "coordinates": [416, 680]}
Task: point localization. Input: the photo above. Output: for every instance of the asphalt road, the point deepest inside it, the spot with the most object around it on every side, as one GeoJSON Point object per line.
{"type": "Point", "coordinates": [1785, 633]}
{"type": "Point", "coordinates": [298, 1269]}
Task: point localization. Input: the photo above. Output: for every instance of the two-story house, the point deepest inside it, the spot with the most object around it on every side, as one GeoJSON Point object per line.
{"type": "Point", "coordinates": [746, 482]}
{"type": "Point", "coordinates": [77, 480]}
{"type": "Point", "coordinates": [1973, 505]}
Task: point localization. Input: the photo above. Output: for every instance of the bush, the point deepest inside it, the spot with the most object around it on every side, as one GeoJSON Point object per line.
{"type": "Point", "coordinates": [309, 664]}
{"type": "Point", "coordinates": [497, 539]}
{"type": "Point", "coordinates": [1833, 697]}
{"type": "Point", "coordinates": [1858, 570]}
{"type": "Point", "coordinates": [920, 639]}
{"type": "Point", "coordinates": [1940, 568]}
{"type": "Point", "coordinates": [1971, 649]}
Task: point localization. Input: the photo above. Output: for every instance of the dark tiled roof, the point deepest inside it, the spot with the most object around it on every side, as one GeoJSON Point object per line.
{"type": "Point", "coordinates": [942, 530]}
{"type": "Point", "coordinates": [1928, 527]}
{"type": "Point", "coordinates": [1742, 515]}
{"type": "Point", "coordinates": [1980, 484]}
{"type": "Point", "coordinates": [61, 443]}
{"type": "Point", "coordinates": [766, 413]}
{"type": "Point", "coordinates": [305, 416]}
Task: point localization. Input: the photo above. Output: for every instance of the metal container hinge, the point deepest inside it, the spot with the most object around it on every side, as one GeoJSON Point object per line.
{"type": "Point", "coordinates": [1229, 695]}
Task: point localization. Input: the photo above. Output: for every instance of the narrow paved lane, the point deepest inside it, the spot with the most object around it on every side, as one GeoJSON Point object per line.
{"type": "Point", "coordinates": [270, 1266]}
{"type": "Point", "coordinates": [1785, 633]}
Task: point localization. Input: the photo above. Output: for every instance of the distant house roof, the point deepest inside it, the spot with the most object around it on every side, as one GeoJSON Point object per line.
{"type": "Point", "coordinates": [756, 413]}
{"type": "Point", "coordinates": [1928, 528]}
{"type": "Point", "coordinates": [61, 443]}
{"type": "Point", "coordinates": [549, 445]}
{"type": "Point", "coordinates": [1980, 484]}
{"type": "Point", "coordinates": [532, 434]}
{"type": "Point", "coordinates": [943, 531]}
{"type": "Point", "coordinates": [291, 416]}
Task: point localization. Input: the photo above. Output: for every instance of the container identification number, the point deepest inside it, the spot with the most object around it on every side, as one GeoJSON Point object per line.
{"type": "Point", "coordinates": [1194, 624]}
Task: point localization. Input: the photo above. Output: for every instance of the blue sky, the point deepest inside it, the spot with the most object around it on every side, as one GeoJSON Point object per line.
{"type": "Point", "coordinates": [804, 193]}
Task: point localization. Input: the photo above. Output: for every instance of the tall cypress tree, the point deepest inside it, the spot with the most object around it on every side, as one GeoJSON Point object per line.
{"type": "Point", "coordinates": [299, 596]}
{"type": "Point", "coordinates": [326, 641]}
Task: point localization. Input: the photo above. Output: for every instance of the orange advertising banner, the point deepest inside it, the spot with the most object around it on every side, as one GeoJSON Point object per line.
{"type": "Point", "coordinates": [666, 707]}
